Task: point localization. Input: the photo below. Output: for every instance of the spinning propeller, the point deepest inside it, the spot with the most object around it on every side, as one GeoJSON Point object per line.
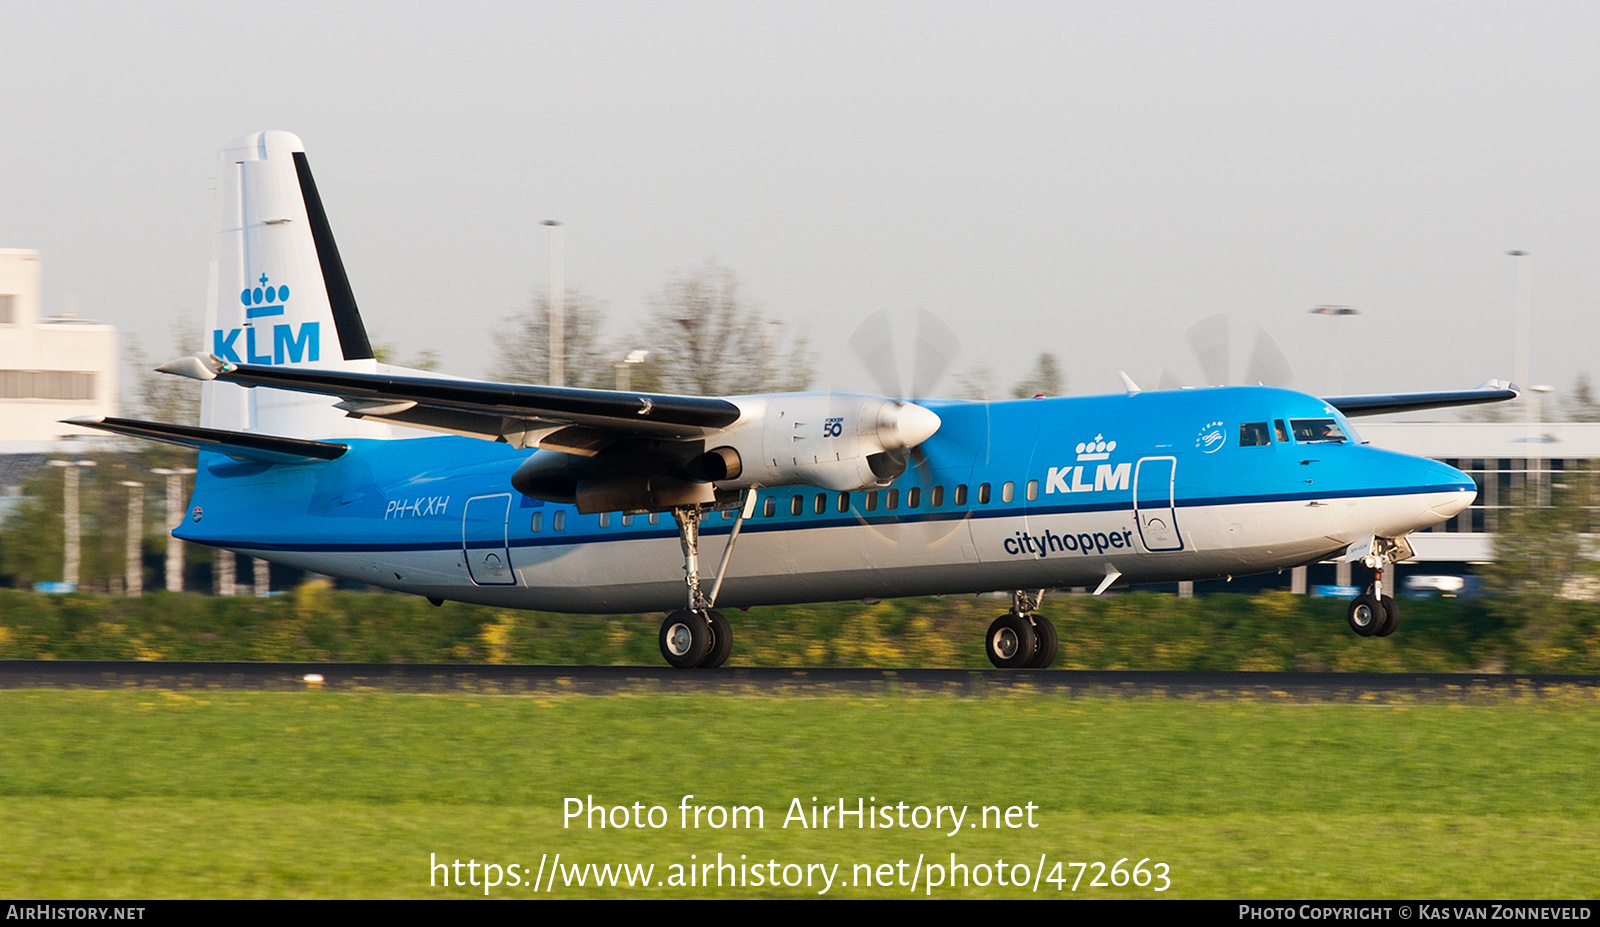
{"type": "Point", "coordinates": [872, 342]}
{"type": "Point", "coordinates": [1208, 338]}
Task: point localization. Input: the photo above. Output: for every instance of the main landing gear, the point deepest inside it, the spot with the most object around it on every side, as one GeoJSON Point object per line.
{"type": "Point", "coordinates": [698, 636]}
{"type": "Point", "coordinates": [1021, 639]}
{"type": "Point", "coordinates": [1373, 614]}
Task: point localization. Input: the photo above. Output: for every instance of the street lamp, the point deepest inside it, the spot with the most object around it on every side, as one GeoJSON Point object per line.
{"type": "Point", "coordinates": [1333, 312]}
{"type": "Point", "coordinates": [72, 556]}
{"type": "Point", "coordinates": [558, 319]}
{"type": "Point", "coordinates": [1536, 471]}
{"type": "Point", "coordinates": [625, 368]}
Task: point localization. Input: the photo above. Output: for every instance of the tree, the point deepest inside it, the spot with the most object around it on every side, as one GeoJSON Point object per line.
{"type": "Point", "coordinates": [976, 382]}
{"type": "Point", "coordinates": [1545, 549]}
{"type": "Point", "coordinates": [1582, 406]}
{"type": "Point", "coordinates": [522, 352]}
{"type": "Point", "coordinates": [159, 397]}
{"type": "Point", "coordinates": [1045, 377]}
{"type": "Point", "coordinates": [707, 339]}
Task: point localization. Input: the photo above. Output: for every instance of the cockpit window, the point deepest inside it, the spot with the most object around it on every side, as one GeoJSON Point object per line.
{"type": "Point", "coordinates": [1254, 434]}
{"type": "Point", "coordinates": [1317, 431]}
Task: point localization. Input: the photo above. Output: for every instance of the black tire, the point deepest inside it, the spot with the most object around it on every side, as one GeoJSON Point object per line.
{"type": "Point", "coordinates": [1391, 617]}
{"type": "Point", "coordinates": [685, 638]}
{"type": "Point", "coordinates": [721, 641]}
{"type": "Point", "coordinates": [1045, 643]}
{"type": "Point", "coordinates": [1010, 642]}
{"type": "Point", "coordinates": [1367, 614]}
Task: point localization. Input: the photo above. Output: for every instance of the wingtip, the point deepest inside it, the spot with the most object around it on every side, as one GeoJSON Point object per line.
{"type": "Point", "coordinates": [195, 367]}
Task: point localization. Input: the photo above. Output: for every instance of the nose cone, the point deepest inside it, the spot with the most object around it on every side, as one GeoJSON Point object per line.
{"type": "Point", "coordinates": [1456, 490]}
{"type": "Point", "coordinates": [903, 424]}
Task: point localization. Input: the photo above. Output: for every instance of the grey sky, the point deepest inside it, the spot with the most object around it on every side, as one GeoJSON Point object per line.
{"type": "Point", "coordinates": [1079, 178]}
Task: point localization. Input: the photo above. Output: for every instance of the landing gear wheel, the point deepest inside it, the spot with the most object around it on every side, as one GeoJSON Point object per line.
{"type": "Point", "coordinates": [1391, 618]}
{"type": "Point", "coordinates": [1367, 614]}
{"type": "Point", "coordinates": [721, 641]}
{"type": "Point", "coordinates": [685, 639]}
{"type": "Point", "coordinates": [1045, 643]}
{"type": "Point", "coordinates": [1010, 642]}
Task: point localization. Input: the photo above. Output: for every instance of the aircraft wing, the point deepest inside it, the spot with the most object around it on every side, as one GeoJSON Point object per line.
{"type": "Point", "coordinates": [1379, 403]}
{"type": "Point", "coordinates": [237, 444]}
{"type": "Point", "coordinates": [576, 421]}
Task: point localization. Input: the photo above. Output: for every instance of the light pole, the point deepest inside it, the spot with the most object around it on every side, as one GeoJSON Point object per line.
{"type": "Point", "coordinates": [558, 318]}
{"type": "Point", "coordinates": [625, 368]}
{"type": "Point", "coordinates": [72, 556]}
{"type": "Point", "coordinates": [1524, 317]}
{"type": "Point", "coordinates": [174, 519]}
{"type": "Point", "coordinates": [133, 569]}
{"type": "Point", "coordinates": [1536, 472]}
{"type": "Point", "coordinates": [1333, 313]}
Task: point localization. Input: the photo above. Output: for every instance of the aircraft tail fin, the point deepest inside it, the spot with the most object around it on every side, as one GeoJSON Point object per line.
{"type": "Point", "coordinates": [279, 292]}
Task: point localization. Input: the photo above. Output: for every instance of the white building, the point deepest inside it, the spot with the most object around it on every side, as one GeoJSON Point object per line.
{"type": "Point", "coordinates": [50, 368]}
{"type": "Point", "coordinates": [1503, 458]}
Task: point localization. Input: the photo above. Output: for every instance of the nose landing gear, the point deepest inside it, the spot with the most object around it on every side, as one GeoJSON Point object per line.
{"type": "Point", "coordinates": [1373, 614]}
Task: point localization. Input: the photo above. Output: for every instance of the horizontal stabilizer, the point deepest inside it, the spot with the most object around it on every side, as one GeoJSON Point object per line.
{"type": "Point", "coordinates": [1379, 403]}
{"type": "Point", "coordinates": [237, 444]}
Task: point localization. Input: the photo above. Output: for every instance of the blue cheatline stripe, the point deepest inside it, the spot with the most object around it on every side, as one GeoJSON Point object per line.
{"type": "Point", "coordinates": [256, 312]}
{"type": "Point", "coordinates": [797, 523]}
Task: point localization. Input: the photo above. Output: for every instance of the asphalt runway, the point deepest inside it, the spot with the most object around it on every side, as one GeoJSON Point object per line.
{"type": "Point", "coordinates": [776, 681]}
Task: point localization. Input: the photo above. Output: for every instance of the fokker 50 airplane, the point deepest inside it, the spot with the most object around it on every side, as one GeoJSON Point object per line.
{"type": "Point", "coordinates": [314, 455]}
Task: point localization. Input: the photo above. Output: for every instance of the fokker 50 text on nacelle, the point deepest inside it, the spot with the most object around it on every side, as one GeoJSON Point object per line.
{"type": "Point", "coordinates": [596, 501]}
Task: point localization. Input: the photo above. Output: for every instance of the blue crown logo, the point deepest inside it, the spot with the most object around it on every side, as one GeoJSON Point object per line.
{"type": "Point", "coordinates": [263, 300]}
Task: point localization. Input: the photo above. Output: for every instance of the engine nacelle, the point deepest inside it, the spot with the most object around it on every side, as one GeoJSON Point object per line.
{"type": "Point", "coordinates": [837, 441]}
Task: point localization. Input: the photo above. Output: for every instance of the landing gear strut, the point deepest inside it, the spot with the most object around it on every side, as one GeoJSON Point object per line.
{"type": "Point", "coordinates": [1373, 614]}
{"type": "Point", "coordinates": [1021, 639]}
{"type": "Point", "coordinates": [699, 636]}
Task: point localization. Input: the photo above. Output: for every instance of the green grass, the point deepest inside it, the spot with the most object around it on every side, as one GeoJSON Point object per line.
{"type": "Point", "coordinates": [147, 793]}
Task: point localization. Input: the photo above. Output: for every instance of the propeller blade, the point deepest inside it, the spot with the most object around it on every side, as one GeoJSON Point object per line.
{"type": "Point", "coordinates": [1269, 363]}
{"type": "Point", "coordinates": [873, 345]}
{"type": "Point", "coordinates": [937, 346]}
{"type": "Point", "coordinates": [1208, 337]}
{"type": "Point", "coordinates": [1166, 380]}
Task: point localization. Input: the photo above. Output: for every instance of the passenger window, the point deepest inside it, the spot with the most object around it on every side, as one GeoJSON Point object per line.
{"type": "Point", "coordinates": [769, 507]}
{"type": "Point", "coordinates": [627, 520]}
{"type": "Point", "coordinates": [605, 519]}
{"type": "Point", "coordinates": [821, 504]}
{"type": "Point", "coordinates": [797, 504]}
{"type": "Point", "coordinates": [983, 493]}
{"type": "Point", "coordinates": [961, 494]}
{"type": "Point", "coordinates": [558, 521]}
{"type": "Point", "coordinates": [1008, 491]}
{"type": "Point", "coordinates": [938, 497]}
{"type": "Point", "coordinates": [655, 518]}
{"type": "Point", "coordinates": [537, 524]}
{"type": "Point", "coordinates": [1254, 434]}
{"type": "Point", "coordinates": [872, 501]}
{"type": "Point", "coordinates": [1033, 490]}
{"type": "Point", "coordinates": [844, 502]}
{"type": "Point", "coordinates": [913, 497]}
{"type": "Point", "coordinates": [891, 499]}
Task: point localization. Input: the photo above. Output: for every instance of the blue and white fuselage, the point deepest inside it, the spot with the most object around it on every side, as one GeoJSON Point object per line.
{"type": "Point", "coordinates": [1039, 493]}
